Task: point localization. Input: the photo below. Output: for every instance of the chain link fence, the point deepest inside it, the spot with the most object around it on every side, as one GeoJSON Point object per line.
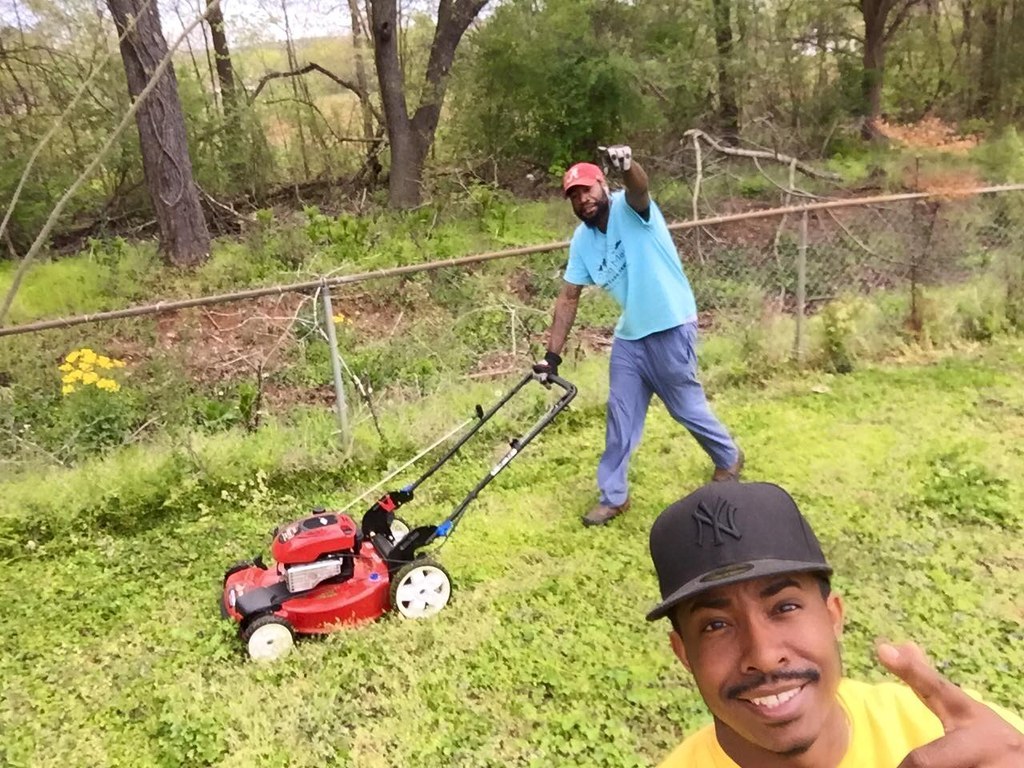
{"type": "Point", "coordinates": [911, 255]}
{"type": "Point", "coordinates": [921, 263]}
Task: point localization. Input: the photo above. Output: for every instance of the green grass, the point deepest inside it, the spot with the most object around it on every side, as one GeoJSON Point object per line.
{"type": "Point", "coordinates": [115, 654]}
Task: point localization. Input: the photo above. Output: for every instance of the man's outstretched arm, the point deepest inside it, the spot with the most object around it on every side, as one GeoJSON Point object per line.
{"type": "Point", "coordinates": [634, 178]}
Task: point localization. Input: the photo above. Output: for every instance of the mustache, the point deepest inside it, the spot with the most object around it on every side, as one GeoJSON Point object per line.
{"type": "Point", "coordinates": [807, 675]}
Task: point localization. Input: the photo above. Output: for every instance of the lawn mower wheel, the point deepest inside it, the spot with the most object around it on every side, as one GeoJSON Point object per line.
{"type": "Point", "coordinates": [268, 637]}
{"type": "Point", "coordinates": [420, 589]}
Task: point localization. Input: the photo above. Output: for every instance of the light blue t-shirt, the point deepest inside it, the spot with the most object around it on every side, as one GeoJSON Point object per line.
{"type": "Point", "coordinates": [637, 263]}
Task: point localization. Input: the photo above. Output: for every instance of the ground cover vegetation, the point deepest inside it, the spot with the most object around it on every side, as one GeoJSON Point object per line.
{"type": "Point", "coordinates": [117, 655]}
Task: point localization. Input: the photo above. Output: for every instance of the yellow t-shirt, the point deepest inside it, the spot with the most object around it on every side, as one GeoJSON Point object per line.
{"type": "Point", "coordinates": [887, 721]}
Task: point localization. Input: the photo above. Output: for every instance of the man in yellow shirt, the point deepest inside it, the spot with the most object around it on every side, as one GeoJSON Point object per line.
{"type": "Point", "coordinates": [746, 587]}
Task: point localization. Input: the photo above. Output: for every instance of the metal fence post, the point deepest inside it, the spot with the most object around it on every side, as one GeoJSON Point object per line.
{"type": "Point", "coordinates": [801, 290]}
{"type": "Point", "coordinates": [339, 384]}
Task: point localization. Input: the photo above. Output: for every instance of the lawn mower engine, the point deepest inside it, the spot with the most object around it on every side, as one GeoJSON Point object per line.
{"type": "Point", "coordinates": [328, 572]}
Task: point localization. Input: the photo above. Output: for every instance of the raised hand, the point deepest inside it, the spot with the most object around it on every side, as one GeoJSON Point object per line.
{"type": "Point", "coordinates": [619, 156]}
{"type": "Point", "coordinates": [976, 737]}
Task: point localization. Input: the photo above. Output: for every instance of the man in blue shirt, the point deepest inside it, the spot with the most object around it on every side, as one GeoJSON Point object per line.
{"type": "Point", "coordinates": [624, 246]}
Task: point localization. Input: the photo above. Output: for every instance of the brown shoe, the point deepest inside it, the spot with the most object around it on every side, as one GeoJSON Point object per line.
{"type": "Point", "coordinates": [732, 473]}
{"type": "Point", "coordinates": [603, 513]}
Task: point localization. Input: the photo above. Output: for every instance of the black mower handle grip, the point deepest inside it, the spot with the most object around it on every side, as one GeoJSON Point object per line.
{"type": "Point", "coordinates": [558, 381]}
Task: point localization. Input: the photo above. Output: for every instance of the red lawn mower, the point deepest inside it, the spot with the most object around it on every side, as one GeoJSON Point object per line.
{"type": "Point", "coordinates": [329, 571]}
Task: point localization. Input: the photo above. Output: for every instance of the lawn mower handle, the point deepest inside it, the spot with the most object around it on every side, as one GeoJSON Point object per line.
{"type": "Point", "coordinates": [516, 445]}
{"type": "Point", "coordinates": [483, 418]}
{"type": "Point", "coordinates": [377, 517]}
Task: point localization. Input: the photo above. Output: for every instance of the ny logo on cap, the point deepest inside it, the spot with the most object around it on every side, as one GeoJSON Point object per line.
{"type": "Point", "coordinates": [720, 518]}
{"type": "Point", "coordinates": [573, 173]}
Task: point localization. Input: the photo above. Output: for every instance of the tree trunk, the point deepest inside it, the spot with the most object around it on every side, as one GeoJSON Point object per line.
{"type": "Point", "coordinates": [987, 102]}
{"type": "Point", "coordinates": [359, 51]}
{"type": "Point", "coordinates": [184, 237]}
{"type": "Point", "coordinates": [875, 12]}
{"type": "Point", "coordinates": [293, 64]}
{"type": "Point", "coordinates": [372, 166]}
{"type": "Point", "coordinates": [728, 110]}
{"type": "Point", "coordinates": [410, 139]}
{"type": "Point", "coordinates": [225, 72]}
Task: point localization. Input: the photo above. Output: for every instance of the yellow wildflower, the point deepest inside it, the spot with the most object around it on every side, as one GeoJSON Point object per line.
{"type": "Point", "coordinates": [81, 366]}
{"type": "Point", "coordinates": [340, 319]}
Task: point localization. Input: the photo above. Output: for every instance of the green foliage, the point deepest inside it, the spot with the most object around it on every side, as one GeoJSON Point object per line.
{"type": "Point", "coordinates": [233, 407]}
{"type": "Point", "coordinates": [960, 487]}
{"type": "Point", "coordinates": [345, 236]}
{"type": "Point", "coordinates": [88, 282]}
{"type": "Point", "coordinates": [92, 420]}
{"type": "Point", "coordinates": [982, 312]}
{"type": "Point", "coordinates": [493, 208]}
{"type": "Point", "coordinates": [1002, 157]}
{"type": "Point", "coordinates": [754, 186]}
{"type": "Point", "coordinates": [548, 84]}
{"type": "Point", "coordinates": [856, 160]}
{"type": "Point", "coordinates": [838, 331]}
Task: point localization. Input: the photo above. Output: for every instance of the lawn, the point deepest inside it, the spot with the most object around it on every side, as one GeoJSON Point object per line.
{"type": "Point", "coordinates": [115, 655]}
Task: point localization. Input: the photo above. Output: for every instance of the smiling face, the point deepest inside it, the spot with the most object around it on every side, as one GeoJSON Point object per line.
{"type": "Point", "coordinates": [765, 656]}
{"type": "Point", "coordinates": [589, 203]}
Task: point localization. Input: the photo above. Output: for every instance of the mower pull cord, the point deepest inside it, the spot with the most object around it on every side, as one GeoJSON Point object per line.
{"type": "Point", "coordinates": [378, 518]}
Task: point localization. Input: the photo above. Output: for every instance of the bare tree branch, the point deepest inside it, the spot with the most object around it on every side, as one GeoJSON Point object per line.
{"type": "Point", "coordinates": [899, 18]}
{"type": "Point", "coordinates": [695, 133]}
{"type": "Point", "coordinates": [314, 67]}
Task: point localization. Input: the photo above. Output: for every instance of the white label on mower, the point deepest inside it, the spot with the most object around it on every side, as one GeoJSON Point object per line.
{"type": "Point", "coordinates": [504, 461]}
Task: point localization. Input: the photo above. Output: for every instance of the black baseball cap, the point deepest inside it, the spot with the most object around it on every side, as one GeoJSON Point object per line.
{"type": "Point", "coordinates": [728, 532]}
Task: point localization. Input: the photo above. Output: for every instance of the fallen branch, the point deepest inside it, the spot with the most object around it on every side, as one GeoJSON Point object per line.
{"type": "Point", "coordinates": [695, 133]}
{"type": "Point", "coordinates": [217, 205]}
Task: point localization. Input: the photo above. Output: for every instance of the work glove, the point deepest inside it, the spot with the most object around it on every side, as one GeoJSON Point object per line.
{"type": "Point", "coordinates": [548, 366]}
{"type": "Point", "coordinates": [620, 156]}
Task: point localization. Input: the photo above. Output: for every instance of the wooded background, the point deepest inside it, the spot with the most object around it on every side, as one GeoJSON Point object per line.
{"type": "Point", "coordinates": [416, 94]}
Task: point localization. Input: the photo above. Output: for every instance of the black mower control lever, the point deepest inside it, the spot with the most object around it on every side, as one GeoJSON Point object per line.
{"type": "Point", "coordinates": [378, 518]}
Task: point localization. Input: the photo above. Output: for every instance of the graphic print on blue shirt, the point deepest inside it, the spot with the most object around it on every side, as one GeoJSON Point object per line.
{"type": "Point", "coordinates": [637, 263]}
{"type": "Point", "coordinates": [612, 266]}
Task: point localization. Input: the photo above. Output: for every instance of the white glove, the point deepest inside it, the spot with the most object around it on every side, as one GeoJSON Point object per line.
{"type": "Point", "coordinates": [620, 156]}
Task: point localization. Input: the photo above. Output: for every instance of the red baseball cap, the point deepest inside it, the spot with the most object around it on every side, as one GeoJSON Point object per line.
{"type": "Point", "coordinates": [581, 175]}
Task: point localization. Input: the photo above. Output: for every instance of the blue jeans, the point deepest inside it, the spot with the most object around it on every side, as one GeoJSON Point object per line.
{"type": "Point", "coordinates": [665, 364]}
